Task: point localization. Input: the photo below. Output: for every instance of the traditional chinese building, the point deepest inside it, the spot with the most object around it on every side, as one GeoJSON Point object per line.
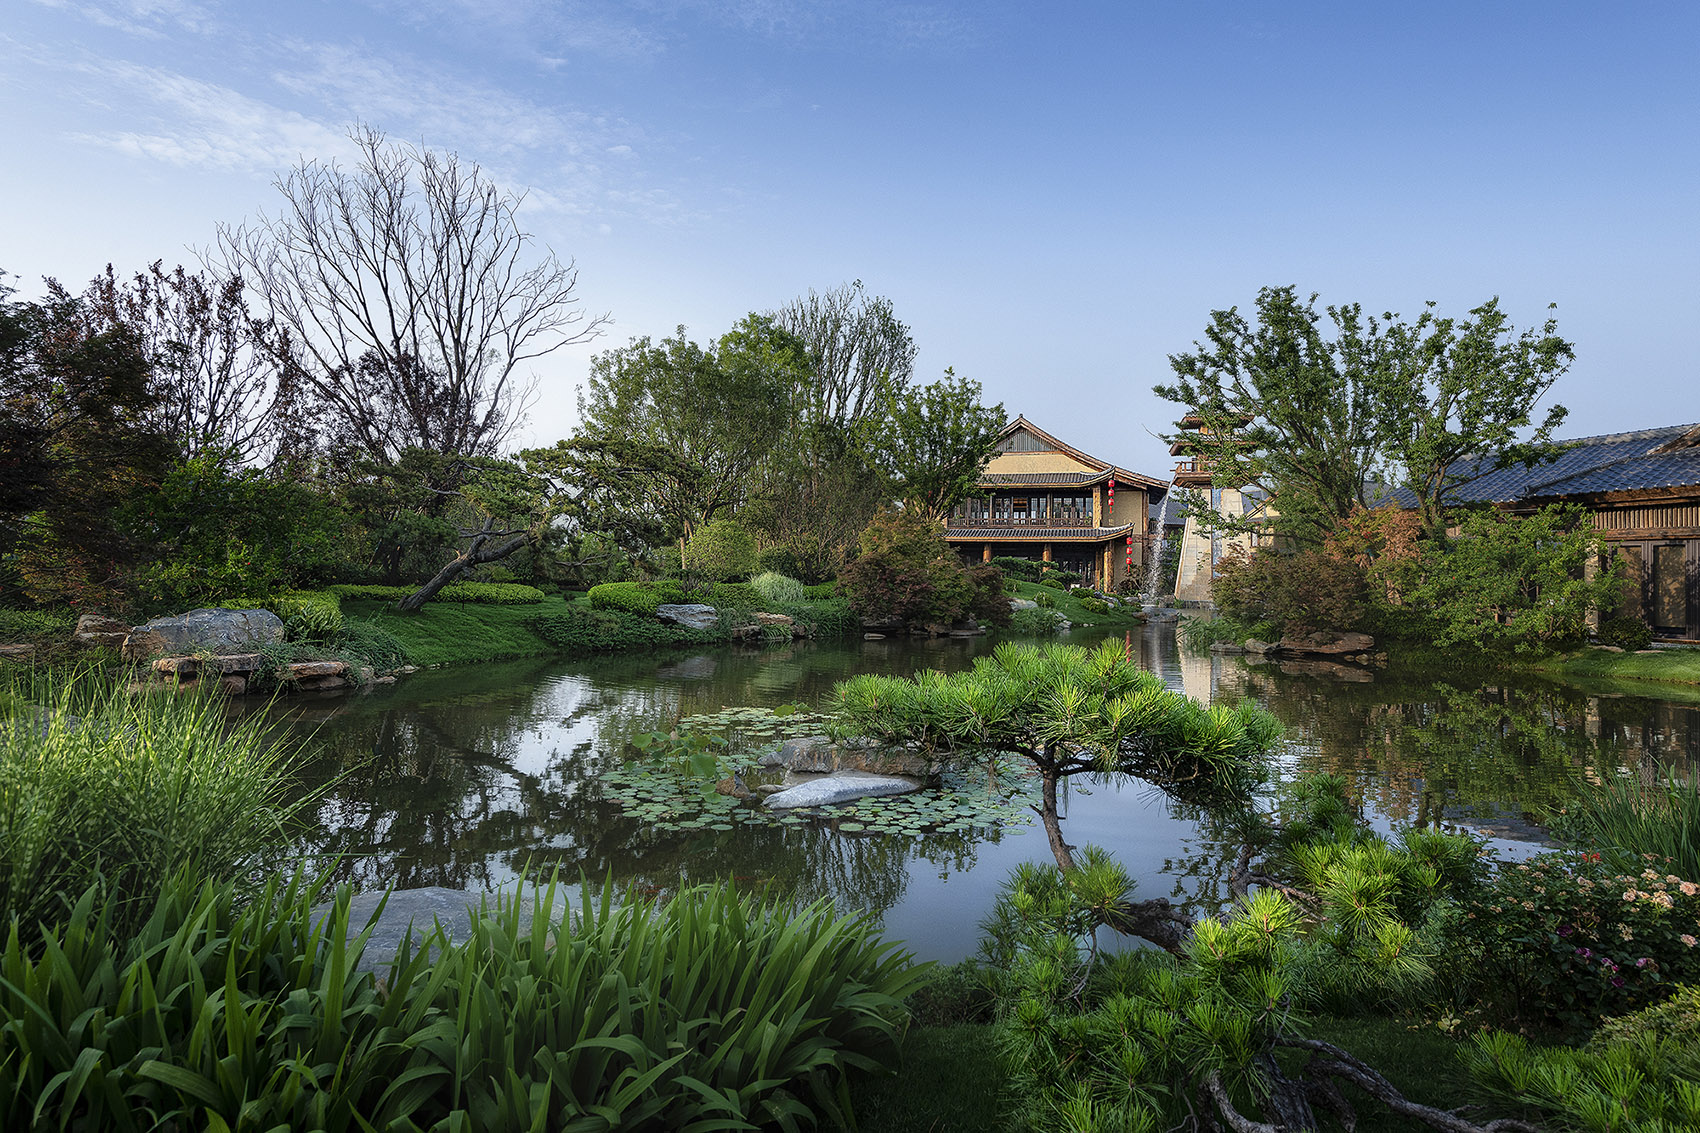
{"type": "Point", "coordinates": [1202, 547]}
{"type": "Point", "coordinates": [1040, 498]}
{"type": "Point", "coordinates": [1642, 492]}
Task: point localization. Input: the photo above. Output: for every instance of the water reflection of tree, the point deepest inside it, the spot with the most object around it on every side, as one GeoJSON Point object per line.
{"type": "Point", "coordinates": [1423, 749]}
{"type": "Point", "coordinates": [465, 777]}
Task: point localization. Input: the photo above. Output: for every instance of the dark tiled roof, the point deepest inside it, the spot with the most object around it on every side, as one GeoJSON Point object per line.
{"type": "Point", "coordinates": [1008, 534]}
{"type": "Point", "coordinates": [1612, 462]}
{"type": "Point", "coordinates": [994, 478]}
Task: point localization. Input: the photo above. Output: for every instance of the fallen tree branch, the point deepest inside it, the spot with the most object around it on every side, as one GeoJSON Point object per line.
{"type": "Point", "coordinates": [1343, 1064]}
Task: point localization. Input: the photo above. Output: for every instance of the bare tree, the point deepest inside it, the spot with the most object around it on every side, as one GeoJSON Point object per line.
{"type": "Point", "coordinates": [401, 296]}
{"type": "Point", "coordinates": [860, 349]}
{"type": "Point", "coordinates": [216, 392]}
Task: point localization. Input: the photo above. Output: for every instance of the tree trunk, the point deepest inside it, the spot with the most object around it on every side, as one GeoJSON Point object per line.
{"type": "Point", "coordinates": [480, 550]}
{"type": "Point", "coordinates": [1053, 824]}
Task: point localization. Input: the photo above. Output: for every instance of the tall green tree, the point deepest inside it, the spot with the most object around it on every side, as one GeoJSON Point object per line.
{"type": "Point", "coordinates": [1328, 410]}
{"type": "Point", "coordinates": [684, 429]}
{"type": "Point", "coordinates": [77, 440]}
{"type": "Point", "coordinates": [933, 441]}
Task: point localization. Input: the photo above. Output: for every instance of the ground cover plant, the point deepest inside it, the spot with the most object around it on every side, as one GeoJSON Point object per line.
{"type": "Point", "coordinates": [459, 632]}
{"type": "Point", "coordinates": [1633, 819]}
{"type": "Point", "coordinates": [120, 792]}
{"type": "Point", "coordinates": [711, 1011]}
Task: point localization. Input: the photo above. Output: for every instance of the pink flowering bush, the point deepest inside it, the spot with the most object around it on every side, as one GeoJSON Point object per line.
{"type": "Point", "coordinates": [1566, 939]}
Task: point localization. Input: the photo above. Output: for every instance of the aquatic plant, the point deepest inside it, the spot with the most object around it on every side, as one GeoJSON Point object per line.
{"type": "Point", "coordinates": [711, 1011]}
{"type": "Point", "coordinates": [102, 787]}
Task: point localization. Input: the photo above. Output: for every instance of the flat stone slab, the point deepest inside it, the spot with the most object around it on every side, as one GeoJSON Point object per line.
{"type": "Point", "coordinates": [692, 615]}
{"type": "Point", "coordinates": [221, 631]}
{"type": "Point", "coordinates": [841, 787]}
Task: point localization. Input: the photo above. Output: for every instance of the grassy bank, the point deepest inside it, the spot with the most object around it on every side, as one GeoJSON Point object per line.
{"type": "Point", "coordinates": [1670, 666]}
{"type": "Point", "coordinates": [1069, 603]}
{"type": "Point", "coordinates": [446, 633]}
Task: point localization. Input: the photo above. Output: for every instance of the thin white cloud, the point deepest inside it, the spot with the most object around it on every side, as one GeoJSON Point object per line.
{"type": "Point", "coordinates": [197, 123]}
{"type": "Point", "coordinates": [152, 19]}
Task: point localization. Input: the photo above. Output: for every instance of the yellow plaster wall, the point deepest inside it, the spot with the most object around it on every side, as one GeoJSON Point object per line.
{"type": "Point", "coordinates": [1012, 463]}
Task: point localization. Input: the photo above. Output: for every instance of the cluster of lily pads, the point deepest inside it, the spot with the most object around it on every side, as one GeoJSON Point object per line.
{"type": "Point", "coordinates": [671, 785]}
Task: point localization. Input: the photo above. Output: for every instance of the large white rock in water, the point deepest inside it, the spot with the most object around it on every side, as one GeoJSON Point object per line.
{"type": "Point", "coordinates": [218, 631]}
{"type": "Point", "coordinates": [841, 787]}
{"type": "Point", "coordinates": [691, 615]}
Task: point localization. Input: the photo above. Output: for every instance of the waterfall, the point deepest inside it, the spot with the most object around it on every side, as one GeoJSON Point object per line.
{"type": "Point", "coordinates": [1154, 567]}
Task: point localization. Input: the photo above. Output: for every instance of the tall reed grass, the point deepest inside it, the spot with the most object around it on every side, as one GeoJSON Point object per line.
{"type": "Point", "coordinates": [712, 1011]}
{"type": "Point", "coordinates": [102, 787]}
{"type": "Point", "coordinates": [1627, 817]}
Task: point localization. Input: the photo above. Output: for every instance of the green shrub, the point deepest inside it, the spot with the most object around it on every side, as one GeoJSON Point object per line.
{"type": "Point", "coordinates": [367, 643]}
{"type": "Point", "coordinates": [1053, 583]}
{"type": "Point", "coordinates": [1094, 605]}
{"type": "Point", "coordinates": [721, 550]}
{"type": "Point", "coordinates": [35, 626]}
{"type": "Point", "coordinates": [711, 1010]}
{"type": "Point", "coordinates": [825, 620]}
{"type": "Point", "coordinates": [1300, 592]}
{"type": "Point", "coordinates": [580, 632]}
{"type": "Point", "coordinates": [823, 592]}
{"type": "Point", "coordinates": [99, 787]}
{"type": "Point", "coordinates": [1510, 583]}
{"type": "Point", "coordinates": [478, 593]}
{"type": "Point", "coordinates": [636, 597]}
{"type": "Point", "coordinates": [1035, 623]}
{"type": "Point", "coordinates": [1638, 1073]}
{"type": "Point", "coordinates": [1565, 939]}
{"type": "Point", "coordinates": [1199, 634]}
{"type": "Point", "coordinates": [908, 573]}
{"type": "Point", "coordinates": [774, 587]}
{"type": "Point", "coordinates": [1626, 818]}
{"type": "Point", "coordinates": [1045, 600]}
{"type": "Point", "coordinates": [1626, 633]}
{"type": "Point", "coordinates": [735, 595]}
{"type": "Point", "coordinates": [1025, 569]}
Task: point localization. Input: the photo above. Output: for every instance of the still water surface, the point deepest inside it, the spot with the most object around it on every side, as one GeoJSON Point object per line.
{"type": "Point", "coordinates": [461, 777]}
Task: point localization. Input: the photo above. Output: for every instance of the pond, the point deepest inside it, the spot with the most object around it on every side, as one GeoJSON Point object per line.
{"type": "Point", "coordinates": [462, 777]}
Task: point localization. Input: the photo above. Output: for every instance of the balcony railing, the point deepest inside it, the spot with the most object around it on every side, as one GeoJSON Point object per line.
{"type": "Point", "coordinates": [1024, 521]}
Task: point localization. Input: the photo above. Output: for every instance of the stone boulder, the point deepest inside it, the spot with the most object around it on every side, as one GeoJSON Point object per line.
{"type": "Point", "coordinates": [840, 787]}
{"type": "Point", "coordinates": [820, 754]}
{"type": "Point", "coordinates": [214, 631]}
{"type": "Point", "coordinates": [1324, 644]}
{"type": "Point", "coordinates": [1023, 604]}
{"type": "Point", "coordinates": [691, 615]}
{"type": "Point", "coordinates": [19, 654]}
{"type": "Point", "coordinates": [98, 629]}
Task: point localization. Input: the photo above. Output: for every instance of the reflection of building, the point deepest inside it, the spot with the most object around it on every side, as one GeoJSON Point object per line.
{"type": "Point", "coordinates": [1201, 546]}
{"type": "Point", "coordinates": [1642, 491]}
{"type": "Point", "coordinates": [1042, 499]}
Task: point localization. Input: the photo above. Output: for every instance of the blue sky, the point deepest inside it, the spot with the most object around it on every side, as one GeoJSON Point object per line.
{"type": "Point", "coordinates": [1054, 196]}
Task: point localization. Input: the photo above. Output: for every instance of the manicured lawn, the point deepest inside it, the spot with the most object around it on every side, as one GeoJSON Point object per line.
{"type": "Point", "coordinates": [1069, 606]}
{"type": "Point", "coordinates": [949, 1083]}
{"type": "Point", "coordinates": [454, 632]}
{"type": "Point", "coordinates": [1675, 666]}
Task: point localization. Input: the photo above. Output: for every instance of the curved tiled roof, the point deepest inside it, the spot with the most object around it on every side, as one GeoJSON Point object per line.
{"type": "Point", "coordinates": [1010, 534]}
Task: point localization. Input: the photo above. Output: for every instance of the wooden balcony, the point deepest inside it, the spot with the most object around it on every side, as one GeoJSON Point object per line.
{"type": "Point", "coordinates": [1025, 522]}
{"type": "Point", "coordinates": [1192, 473]}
